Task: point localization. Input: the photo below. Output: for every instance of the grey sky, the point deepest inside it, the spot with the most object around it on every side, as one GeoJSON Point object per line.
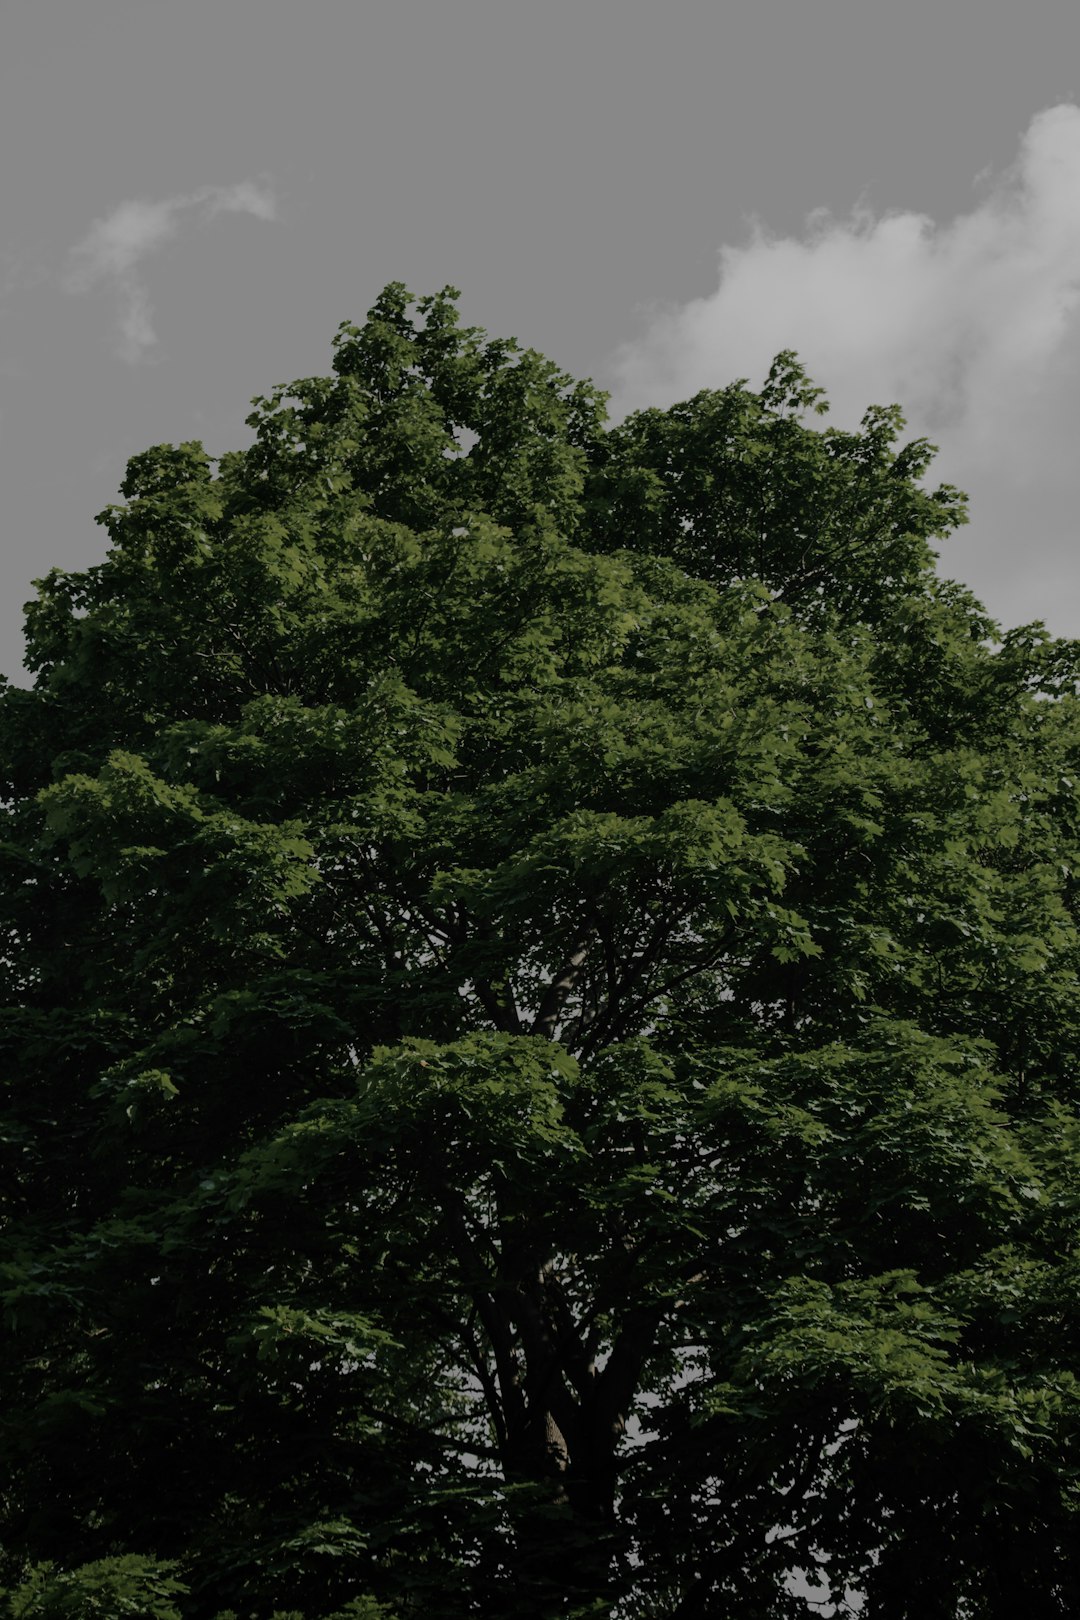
{"type": "Point", "coordinates": [193, 197]}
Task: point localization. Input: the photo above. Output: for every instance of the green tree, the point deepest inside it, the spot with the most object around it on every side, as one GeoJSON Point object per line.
{"type": "Point", "coordinates": [541, 1028]}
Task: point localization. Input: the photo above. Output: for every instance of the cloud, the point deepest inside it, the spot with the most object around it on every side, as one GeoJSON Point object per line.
{"type": "Point", "coordinates": [115, 246]}
{"type": "Point", "coordinates": [972, 326]}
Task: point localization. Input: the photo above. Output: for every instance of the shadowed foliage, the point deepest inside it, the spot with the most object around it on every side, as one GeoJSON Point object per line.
{"type": "Point", "coordinates": [540, 1027]}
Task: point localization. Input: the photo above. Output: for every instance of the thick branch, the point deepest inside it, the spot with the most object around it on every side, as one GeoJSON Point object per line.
{"type": "Point", "coordinates": [557, 991]}
{"type": "Point", "coordinates": [615, 1386]}
{"type": "Point", "coordinates": [503, 1014]}
{"type": "Point", "coordinates": [618, 986]}
{"type": "Point", "coordinates": [496, 1326]}
{"type": "Point", "coordinates": [544, 1387]}
{"type": "Point", "coordinates": [488, 1384]}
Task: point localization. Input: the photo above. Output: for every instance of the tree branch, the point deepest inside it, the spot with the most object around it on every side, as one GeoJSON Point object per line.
{"type": "Point", "coordinates": [560, 987]}
{"type": "Point", "coordinates": [504, 1014]}
{"type": "Point", "coordinates": [496, 1326]}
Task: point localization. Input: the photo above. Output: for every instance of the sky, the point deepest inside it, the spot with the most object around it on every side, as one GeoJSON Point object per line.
{"type": "Point", "coordinates": [659, 197]}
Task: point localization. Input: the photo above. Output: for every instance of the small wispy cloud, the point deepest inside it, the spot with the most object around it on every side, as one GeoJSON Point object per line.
{"type": "Point", "coordinates": [972, 326]}
{"type": "Point", "coordinates": [114, 248]}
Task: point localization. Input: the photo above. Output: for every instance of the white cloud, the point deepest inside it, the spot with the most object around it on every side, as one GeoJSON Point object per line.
{"type": "Point", "coordinates": [115, 246]}
{"type": "Point", "coordinates": [972, 326]}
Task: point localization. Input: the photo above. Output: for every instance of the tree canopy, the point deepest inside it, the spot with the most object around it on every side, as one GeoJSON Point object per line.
{"type": "Point", "coordinates": [540, 1023]}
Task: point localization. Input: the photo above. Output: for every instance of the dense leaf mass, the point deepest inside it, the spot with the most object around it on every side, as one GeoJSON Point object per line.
{"type": "Point", "coordinates": [541, 1040]}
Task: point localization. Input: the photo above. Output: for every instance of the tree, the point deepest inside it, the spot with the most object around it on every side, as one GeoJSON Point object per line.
{"type": "Point", "coordinates": [541, 1028]}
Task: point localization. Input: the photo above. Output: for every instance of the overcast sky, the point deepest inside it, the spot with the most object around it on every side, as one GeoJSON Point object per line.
{"type": "Point", "coordinates": [659, 196]}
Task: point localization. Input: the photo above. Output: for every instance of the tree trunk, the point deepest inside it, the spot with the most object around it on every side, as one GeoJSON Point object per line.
{"type": "Point", "coordinates": [565, 1522]}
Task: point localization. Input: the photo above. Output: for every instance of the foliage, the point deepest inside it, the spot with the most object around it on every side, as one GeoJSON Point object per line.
{"type": "Point", "coordinates": [540, 1026]}
{"type": "Point", "coordinates": [105, 1590]}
